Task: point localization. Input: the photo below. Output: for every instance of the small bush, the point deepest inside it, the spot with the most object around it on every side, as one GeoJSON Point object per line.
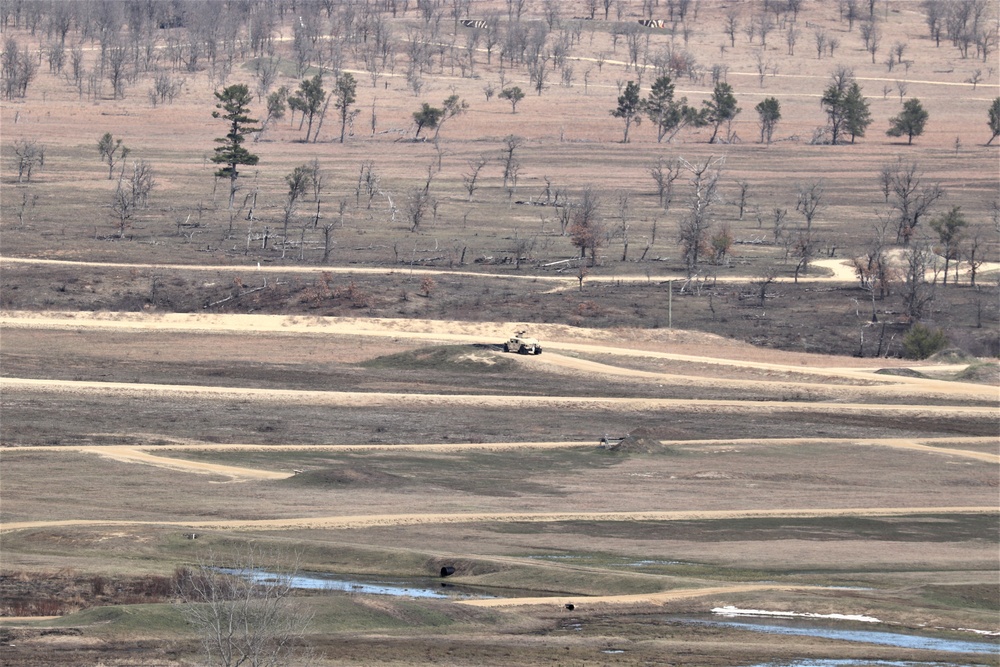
{"type": "Point", "coordinates": [920, 342]}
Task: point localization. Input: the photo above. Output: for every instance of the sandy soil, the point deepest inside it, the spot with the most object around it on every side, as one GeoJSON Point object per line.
{"type": "Point", "coordinates": [368, 399]}
{"type": "Point", "coordinates": [146, 455]}
{"type": "Point", "coordinates": [454, 332]}
{"type": "Point", "coordinates": [134, 455]}
{"type": "Point", "coordinates": [383, 520]}
{"type": "Point", "coordinates": [71, 190]}
{"type": "Point", "coordinates": [833, 271]}
{"type": "Point", "coordinates": [647, 598]}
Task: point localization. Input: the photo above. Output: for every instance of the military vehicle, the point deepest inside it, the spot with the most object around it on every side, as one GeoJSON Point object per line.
{"type": "Point", "coordinates": [522, 344]}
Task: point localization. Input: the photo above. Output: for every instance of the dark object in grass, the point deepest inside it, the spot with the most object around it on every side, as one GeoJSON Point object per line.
{"type": "Point", "coordinates": [447, 571]}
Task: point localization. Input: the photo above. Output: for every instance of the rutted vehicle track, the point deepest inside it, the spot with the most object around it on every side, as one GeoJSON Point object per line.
{"type": "Point", "coordinates": [382, 520]}
{"type": "Point", "coordinates": [153, 454]}
{"type": "Point", "coordinates": [836, 390]}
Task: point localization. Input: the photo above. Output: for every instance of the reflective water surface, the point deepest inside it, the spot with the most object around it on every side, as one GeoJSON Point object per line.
{"type": "Point", "coordinates": [429, 587]}
{"type": "Point", "coordinates": [847, 633]}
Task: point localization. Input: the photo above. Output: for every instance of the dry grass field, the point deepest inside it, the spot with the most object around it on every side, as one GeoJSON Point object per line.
{"type": "Point", "coordinates": [358, 416]}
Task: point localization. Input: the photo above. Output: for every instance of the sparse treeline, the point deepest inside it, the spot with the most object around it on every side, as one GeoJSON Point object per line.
{"type": "Point", "coordinates": [106, 49]}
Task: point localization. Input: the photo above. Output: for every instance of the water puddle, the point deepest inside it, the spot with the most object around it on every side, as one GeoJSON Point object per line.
{"type": "Point", "coordinates": [646, 563]}
{"type": "Point", "coordinates": [420, 588]}
{"type": "Point", "coordinates": [880, 637]}
{"type": "Point", "coordinates": [812, 662]}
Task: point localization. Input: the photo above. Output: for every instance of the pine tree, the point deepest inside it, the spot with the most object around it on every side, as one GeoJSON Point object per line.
{"type": "Point", "coordinates": [667, 114]}
{"type": "Point", "coordinates": [345, 91]}
{"type": "Point", "coordinates": [910, 121]}
{"type": "Point", "coordinates": [234, 108]}
{"type": "Point", "coordinates": [994, 120]}
{"type": "Point", "coordinates": [428, 117]}
{"type": "Point", "coordinates": [859, 115]}
{"type": "Point", "coordinates": [721, 108]}
{"type": "Point", "coordinates": [629, 107]}
{"type": "Point", "coordinates": [770, 113]}
{"type": "Point", "coordinates": [308, 100]}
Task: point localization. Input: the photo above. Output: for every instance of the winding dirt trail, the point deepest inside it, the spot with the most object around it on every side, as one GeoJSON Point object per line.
{"type": "Point", "coordinates": [153, 454]}
{"type": "Point", "coordinates": [861, 384]}
{"type": "Point", "coordinates": [384, 520]}
{"type": "Point", "coordinates": [840, 271]}
{"type": "Point", "coordinates": [369, 399]}
{"type": "Point", "coordinates": [472, 333]}
{"type": "Point", "coordinates": [636, 598]}
{"type": "Point", "coordinates": [881, 385]}
{"type": "Point", "coordinates": [140, 455]}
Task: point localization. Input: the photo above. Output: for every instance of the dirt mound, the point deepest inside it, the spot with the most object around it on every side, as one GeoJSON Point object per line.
{"type": "Point", "coordinates": [951, 355]}
{"type": "Point", "coordinates": [638, 441]}
{"type": "Point", "coordinates": [981, 374]}
{"type": "Point", "coordinates": [902, 372]}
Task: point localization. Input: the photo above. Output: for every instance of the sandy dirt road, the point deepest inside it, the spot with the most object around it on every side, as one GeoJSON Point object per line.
{"type": "Point", "coordinates": [153, 454]}
{"type": "Point", "coordinates": [138, 455]}
{"type": "Point", "coordinates": [639, 598]}
{"type": "Point", "coordinates": [839, 271]}
{"type": "Point", "coordinates": [384, 520]}
{"type": "Point", "coordinates": [390, 399]}
{"type": "Point", "coordinates": [473, 333]}
{"type": "Point", "coordinates": [897, 386]}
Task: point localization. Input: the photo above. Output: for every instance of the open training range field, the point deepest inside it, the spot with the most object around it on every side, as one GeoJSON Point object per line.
{"type": "Point", "coordinates": [359, 417]}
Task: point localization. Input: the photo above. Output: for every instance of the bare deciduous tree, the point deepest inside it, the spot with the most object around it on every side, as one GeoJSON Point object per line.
{"type": "Point", "coordinates": [804, 251]}
{"type": "Point", "coordinates": [369, 183]}
{"type": "Point", "coordinates": [810, 199]}
{"type": "Point", "coordinates": [585, 230]}
{"type": "Point", "coordinates": [419, 201]}
{"type": "Point", "coordinates": [910, 198]}
{"type": "Point", "coordinates": [732, 25]}
{"type": "Point", "coordinates": [872, 36]}
{"type": "Point", "coordinates": [17, 68]}
{"type": "Point", "coordinates": [762, 281]}
{"type": "Point", "coordinates": [665, 172]}
{"type": "Point", "coordinates": [123, 207]}
{"type": "Point", "coordinates": [511, 165]}
{"type": "Point", "coordinates": [111, 151]}
{"type": "Point", "coordinates": [875, 272]}
{"type": "Point", "coordinates": [624, 210]}
{"type": "Point", "coordinates": [298, 180]}
{"type": "Point", "coordinates": [693, 229]}
{"type": "Point", "coordinates": [29, 155]}
{"type": "Point", "coordinates": [141, 183]}
{"type": "Point", "coordinates": [972, 252]}
{"type": "Point", "coordinates": [744, 186]}
{"type": "Point", "coordinates": [244, 615]}
{"type": "Point", "coordinates": [471, 177]}
{"type": "Point", "coordinates": [917, 291]}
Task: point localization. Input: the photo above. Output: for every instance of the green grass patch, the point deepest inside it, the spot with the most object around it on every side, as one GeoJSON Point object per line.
{"type": "Point", "coordinates": [920, 528]}
{"type": "Point", "coordinates": [330, 613]}
{"type": "Point", "coordinates": [966, 596]}
{"type": "Point", "coordinates": [504, 473]}
{"type": "Point", "coordinates": [139, 619]}
{"type": "Point", "coordinates": [349, 613]}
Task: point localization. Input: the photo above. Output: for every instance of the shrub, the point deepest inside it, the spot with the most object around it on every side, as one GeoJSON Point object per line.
{"type": "Point", "coordinates": [920, 342]}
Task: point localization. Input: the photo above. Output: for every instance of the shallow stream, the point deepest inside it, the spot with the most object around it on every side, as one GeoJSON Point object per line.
{"type": "Point", "coordinates": [424, 587]}
{"type": "Point", "coordinates": [848, 632]}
